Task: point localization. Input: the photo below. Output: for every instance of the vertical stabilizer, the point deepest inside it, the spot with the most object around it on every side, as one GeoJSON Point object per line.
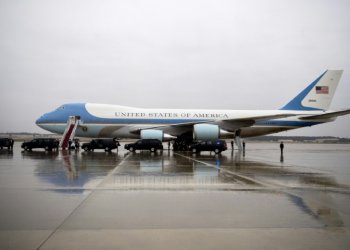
{"type": "Point", "coordinates": [318, 95]}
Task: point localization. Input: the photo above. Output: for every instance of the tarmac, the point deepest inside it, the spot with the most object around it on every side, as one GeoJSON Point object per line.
{"type": "Point", "coordinates": [177, 200]}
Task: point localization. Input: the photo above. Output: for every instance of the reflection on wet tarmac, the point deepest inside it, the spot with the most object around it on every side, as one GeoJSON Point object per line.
{"type": "Point", "coordinates": [184, 171]}
{"type": "Point", "coordinates": [169, 190]}
{"type": "Point", "coordinates": [6, 154]}
{"type": "Point", "coordinates": [71, 169]}
{"type": "Point", "coordinates": [173, 171]}
{"type": "Point", "coordinates": [319, 205]}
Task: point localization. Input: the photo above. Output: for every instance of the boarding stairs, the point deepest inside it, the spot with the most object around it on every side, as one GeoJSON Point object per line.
{"type": "Point", "coordinates": [69, 132]}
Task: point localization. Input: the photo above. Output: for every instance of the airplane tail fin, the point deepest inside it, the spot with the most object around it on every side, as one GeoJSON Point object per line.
{"type": "Point", "coordinates": [318, 95]}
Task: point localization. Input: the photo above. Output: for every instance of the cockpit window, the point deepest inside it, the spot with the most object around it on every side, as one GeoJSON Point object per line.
{"type": "Point", "coordinates": [60, 108]}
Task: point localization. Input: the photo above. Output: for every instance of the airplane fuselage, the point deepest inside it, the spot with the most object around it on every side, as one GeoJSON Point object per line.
{"type": "Point", "coordinates": [103, 120]}
{"type": "Point", "coordinates": [308, 108]}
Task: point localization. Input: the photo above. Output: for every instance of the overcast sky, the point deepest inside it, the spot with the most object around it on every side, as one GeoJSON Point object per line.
{"type": "Point", "coordinates": [251, 54]}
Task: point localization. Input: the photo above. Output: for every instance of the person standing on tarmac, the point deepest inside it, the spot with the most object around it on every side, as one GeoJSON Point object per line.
{"type": "Point", "coordinates": [11, 144]}
{"type": "Point", "coordinates": [116, 143]}
{"type": "Point", "coordinates": [281, 147]}
{"type": "Point", "coordinates": [77, 144]}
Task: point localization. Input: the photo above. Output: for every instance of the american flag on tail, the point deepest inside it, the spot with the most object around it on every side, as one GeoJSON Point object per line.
{"type": "Point", "coordinates": [321, 89]}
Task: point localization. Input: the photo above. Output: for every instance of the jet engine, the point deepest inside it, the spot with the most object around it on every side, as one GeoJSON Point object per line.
{"type": "Point", "coordinates": [206, 132]}
{"type": "Point", "coordinates": [152, 134]}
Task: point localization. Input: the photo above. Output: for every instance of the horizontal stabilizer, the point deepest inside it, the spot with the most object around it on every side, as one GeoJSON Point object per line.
{"type": "Point", "coordinates": [326, 115]}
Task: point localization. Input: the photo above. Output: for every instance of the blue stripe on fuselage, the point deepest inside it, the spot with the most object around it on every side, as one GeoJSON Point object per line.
{"type": "Point", "coordinates": [287, 123]}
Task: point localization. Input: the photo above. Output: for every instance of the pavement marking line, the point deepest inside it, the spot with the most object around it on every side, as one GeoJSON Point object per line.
{"type": "Point", "coordinates": [230, 172]}
{"type": "Point", "coordinates": [271, 186]}
{"type": "Point", "coordinates": [268, 184]}
{"type": "Point", "coordinates": [92, 190]}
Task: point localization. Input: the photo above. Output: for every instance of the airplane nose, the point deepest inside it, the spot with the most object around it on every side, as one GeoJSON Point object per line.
{"type": "Point", "coordinates": [42, 119]}
{"type": "Point", "coordinates": [39, 120]}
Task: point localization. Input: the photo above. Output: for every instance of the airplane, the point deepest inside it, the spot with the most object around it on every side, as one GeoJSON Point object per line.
{"type": "Point", "coordinates": [308, 108]}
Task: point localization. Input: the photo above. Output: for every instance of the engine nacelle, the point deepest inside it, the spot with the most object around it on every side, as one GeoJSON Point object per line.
{"type": "Point", "coordinates": [152, 134]}
{"type": "Point", "coordinates": [206, 132]}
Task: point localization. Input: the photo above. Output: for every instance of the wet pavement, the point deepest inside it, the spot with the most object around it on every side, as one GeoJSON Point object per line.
{"type": "Point", "coordinates": [173, 200]}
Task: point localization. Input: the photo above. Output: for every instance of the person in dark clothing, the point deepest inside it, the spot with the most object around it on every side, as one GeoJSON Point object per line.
{"type": "Point", "coordinates": [116, 143]}
{"type": "Point", "coordinates": [77, 144]}
{"type": "Point", "coordinates": [243, 144]}
{"type": "Point", "coordinates": [11, 144]}
{"type": "Point", "coordinates": [281, 147]}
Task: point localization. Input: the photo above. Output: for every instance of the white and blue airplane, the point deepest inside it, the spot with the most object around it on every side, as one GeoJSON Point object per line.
{"type": "Point", "coordinates": [308, 108]}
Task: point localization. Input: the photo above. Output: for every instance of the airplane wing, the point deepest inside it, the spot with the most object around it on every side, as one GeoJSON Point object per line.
{"type": "Point", "coordinates": [232, 125]}
{"type": "Point", "coordinates": [326, 115]}
{"type": "Point", "coordinates": [227, 124]}
{"type": "Point", "coordinates": [262, 117]}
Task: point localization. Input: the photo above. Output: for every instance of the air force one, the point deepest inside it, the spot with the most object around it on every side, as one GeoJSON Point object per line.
{"type": "Point", "coordinates": [308, 108]}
